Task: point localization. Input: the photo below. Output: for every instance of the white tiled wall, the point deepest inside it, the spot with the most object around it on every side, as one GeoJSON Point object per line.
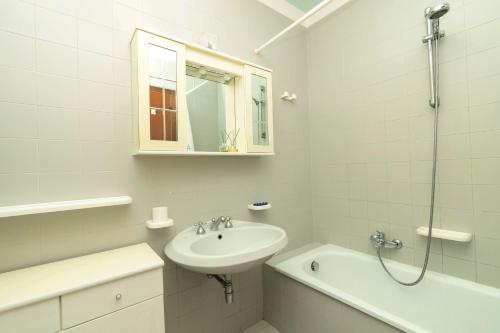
{"type": "Point", "coordinates": [65, 133]}
{"type": "Point", "coordinates": [371, 131]}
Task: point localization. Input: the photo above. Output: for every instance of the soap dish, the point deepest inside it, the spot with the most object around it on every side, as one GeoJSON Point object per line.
{"type": "Point", "coordinates": [259, 207]}
{"type": "Point", "coordinates": [158, 225]}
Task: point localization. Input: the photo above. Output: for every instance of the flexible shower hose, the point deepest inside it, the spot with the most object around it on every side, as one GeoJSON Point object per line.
{"type": "Point", "coordinates": [433, 188]}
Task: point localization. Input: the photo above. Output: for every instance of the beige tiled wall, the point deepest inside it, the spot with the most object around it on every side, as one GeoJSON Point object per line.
{"type": "Point", "coordinates": [65, 133]}
{"type": "Point", "coordinates": [371, 131]}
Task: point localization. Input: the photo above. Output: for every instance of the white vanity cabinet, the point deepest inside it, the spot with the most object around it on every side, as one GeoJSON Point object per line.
{"type": "Point", "coordinates": [190, 100]}
{"type": "Point", "coordinates": [114, 291]}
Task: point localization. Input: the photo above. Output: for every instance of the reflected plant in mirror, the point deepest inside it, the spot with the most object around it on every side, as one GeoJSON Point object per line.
{"type": "Point", "coordinates": [233, 139]}
{"type": "Point", "coordinates": [229, 142]}
{"type": "Point", "coordinates": [210, 104]}
{"type": "Point", "coordinates": [224, 141]}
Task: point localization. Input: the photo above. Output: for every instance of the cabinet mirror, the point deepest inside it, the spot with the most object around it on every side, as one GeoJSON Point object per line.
{"type": "Point", "coordinates": [210, 103]}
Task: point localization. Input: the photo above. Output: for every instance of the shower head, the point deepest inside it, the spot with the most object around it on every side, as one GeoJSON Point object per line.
{"type": "Point", "coordinates": [434, 13]}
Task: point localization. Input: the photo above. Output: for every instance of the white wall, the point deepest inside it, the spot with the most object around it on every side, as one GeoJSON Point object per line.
{"type": "Point", "coordinates": [371, 131]}
{"type": "Point", "coordinates": [65, 133]}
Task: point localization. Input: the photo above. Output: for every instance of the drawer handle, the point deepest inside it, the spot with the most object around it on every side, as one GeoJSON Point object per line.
{"type": "Point", "coordinates": [118, 296]}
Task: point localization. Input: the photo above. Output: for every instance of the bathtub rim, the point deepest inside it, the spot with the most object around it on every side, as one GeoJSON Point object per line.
{"type": "Point", "coordinates": [292, 267]}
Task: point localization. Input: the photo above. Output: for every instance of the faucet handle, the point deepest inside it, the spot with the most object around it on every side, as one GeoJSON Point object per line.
{"type": "Point", "coordinates": [200, 228]}
{"type": "Point", "coordinates": [228, 223]}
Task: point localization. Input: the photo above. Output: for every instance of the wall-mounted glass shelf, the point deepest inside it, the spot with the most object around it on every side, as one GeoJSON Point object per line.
{"type": "Point", "coordinates": [59, 206]}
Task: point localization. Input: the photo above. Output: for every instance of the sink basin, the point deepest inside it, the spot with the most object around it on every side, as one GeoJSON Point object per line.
{"type": "Point", "coordinates": [226, 251]}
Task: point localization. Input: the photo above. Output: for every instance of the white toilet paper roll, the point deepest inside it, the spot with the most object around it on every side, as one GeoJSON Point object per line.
{"type": "Point", "coordinates": [160, 214]}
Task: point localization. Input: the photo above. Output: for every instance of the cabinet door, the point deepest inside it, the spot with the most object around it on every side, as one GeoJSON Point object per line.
{"type": "Point", "coordinates": [159, 89]}
{"type": "Point", "coordinates": [145, 317]}
{"type": "Point", "coordinates": [259, 110]}
{"type": "Point", "coordinates": [42, 317]}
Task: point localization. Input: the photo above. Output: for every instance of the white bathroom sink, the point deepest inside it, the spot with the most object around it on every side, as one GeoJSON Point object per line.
{"type": "Point", "coordinates": [226, 251]}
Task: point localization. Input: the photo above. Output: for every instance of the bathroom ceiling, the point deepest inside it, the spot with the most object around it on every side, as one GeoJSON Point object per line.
{"type": "Point", "coordinates": [294, 9]}
{"type": "Point", "coordinates": [304, 5]}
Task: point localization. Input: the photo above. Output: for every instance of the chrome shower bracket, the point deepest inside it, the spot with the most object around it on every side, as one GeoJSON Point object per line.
{"type": "Point", "coordinates": [432, 15]}
{"type": "Point", "coordinates": [433, 36]}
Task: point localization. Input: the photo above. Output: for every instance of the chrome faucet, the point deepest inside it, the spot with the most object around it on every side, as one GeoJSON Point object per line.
{"type": "Point", "coordinates": [378, 240]}
{"type": "Point", "coordinates": [214, 226]}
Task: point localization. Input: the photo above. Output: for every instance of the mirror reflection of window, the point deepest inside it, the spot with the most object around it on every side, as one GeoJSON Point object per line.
{"type": "Point", "coordinates": [162, 93]}
{"type": "Point", "coordinates": [208, 102]}
{"type": "Point", "coordinates": [259, 111]}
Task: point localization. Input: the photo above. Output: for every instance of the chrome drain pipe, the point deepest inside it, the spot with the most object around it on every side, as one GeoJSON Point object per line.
{"type": "Point", "coordinates": [226, 282]}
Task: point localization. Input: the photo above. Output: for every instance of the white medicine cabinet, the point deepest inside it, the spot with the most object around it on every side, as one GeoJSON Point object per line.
{"type": "Point", "coordinates": [189, 100]}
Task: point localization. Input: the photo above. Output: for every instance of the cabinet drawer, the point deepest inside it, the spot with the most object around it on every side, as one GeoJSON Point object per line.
{"type": "Point", "coordinates": [42, 317]}
{"type": "Point", "coordinates": [145, 317]}
{"type": "Point", "coordinates": [100, 300]}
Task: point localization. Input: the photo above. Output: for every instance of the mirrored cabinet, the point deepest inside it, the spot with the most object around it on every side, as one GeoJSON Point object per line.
{"type": "Point", "coordinates": [189, 100]}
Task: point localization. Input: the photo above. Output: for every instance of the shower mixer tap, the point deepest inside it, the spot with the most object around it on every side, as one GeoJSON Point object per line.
{"type": "Point", "coordinates": [378, 240]}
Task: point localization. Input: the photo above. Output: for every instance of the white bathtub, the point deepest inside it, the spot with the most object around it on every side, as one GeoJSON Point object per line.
{"type": "Point", "coordinates": [439, 304]}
